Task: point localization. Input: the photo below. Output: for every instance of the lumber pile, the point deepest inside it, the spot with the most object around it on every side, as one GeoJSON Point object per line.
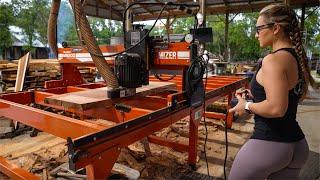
{"type": "Point", "coordinates": [88, 73]}
{"type": "Point", "coordinates": [8, 74]}
{"type": "Point", "coordinates": [37, 73]}
{"type": "Point", "coordinates": [40, 71]}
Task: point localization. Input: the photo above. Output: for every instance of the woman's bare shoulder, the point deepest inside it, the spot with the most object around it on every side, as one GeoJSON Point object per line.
{"type": "Point", "coordinates": [279, 60]}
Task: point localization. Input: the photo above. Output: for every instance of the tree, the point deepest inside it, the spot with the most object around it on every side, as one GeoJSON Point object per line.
{"type": "Point", "coordinates": [216, 23]}
{"type": "Point", "coordinates": [243, 44]}
{"type": "Point", "coordinates": [32, 16]}
{"type": "Point", "coordinates": [312, 27]}
{"type": "Point", "coordinates": [183, 25]}
{"type": "Point", "coordinates": [6, 19]}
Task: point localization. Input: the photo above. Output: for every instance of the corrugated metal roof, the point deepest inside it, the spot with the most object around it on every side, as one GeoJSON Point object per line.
{"type": "Point", "coordinates": [113, 9]}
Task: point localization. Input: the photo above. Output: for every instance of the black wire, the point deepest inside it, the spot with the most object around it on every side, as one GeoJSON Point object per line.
{"type": "Point", "coordinates": [140, 3]}
{"type": "Point", "coordinates": [204, 117]}
{"type": "Point", "coordinates": [190, 72]}
{"type": "Point", "coordinates": [161, 79]}
{"type": "Point", "coordinates": [111, 55]}
{"type": "Point", "coordinates": [226, 139]}
{"type": "Point", "coordinates": [124, 19]}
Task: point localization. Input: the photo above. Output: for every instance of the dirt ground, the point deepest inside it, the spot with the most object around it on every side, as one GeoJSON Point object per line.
{"type": "Point", "coordinates": [44, 152]}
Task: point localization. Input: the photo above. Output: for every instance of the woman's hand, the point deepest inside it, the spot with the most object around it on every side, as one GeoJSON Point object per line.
{"type": "Point", "coordinates": [246, 94]}
{"type": "Point", "coordinates": [239, 108]}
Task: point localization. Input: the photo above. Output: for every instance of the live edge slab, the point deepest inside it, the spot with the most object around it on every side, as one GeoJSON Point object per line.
{"type": "Point", "coordinates": [92, 98]}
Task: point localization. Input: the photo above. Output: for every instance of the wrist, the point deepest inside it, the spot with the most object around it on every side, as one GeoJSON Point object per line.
{"type": "Point", "coordinates": [247, 108]}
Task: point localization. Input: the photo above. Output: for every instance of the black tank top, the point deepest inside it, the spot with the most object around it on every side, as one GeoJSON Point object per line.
{"type": "Point", "coordinates": [286, 128]}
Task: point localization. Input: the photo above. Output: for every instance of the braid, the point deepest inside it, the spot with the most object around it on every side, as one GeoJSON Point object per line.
{"type": "Point", "coordinates": [295, 36]}
{"type": "Point", "coordinates": [286, 17]}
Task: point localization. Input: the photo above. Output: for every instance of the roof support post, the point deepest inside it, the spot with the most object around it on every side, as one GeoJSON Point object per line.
{"type": "Point", "coordinates": [128, 24]}
{"type": "Point", "coordinates": [226, 37]}
{"type": "Point", "coordinates": [204, 22]}
{"type": "Point", "coordinates": [287, 2]}
{"type": "Point", "coordinates": [303, 12]}
{"type": "Point", "coordinates": [203, 12]}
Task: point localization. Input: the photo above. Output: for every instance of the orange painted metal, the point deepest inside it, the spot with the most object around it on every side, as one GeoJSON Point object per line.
{"type": "Point", "coordinates": [15, 172]}
{"type": "Point", "coordinates": [79, 55]}
{"type": "Point", "coordinates": [18, 97]}
{"type": "Point", "coordinates": [125, 137]}
{"type": "Point", "coordinates": [99, 156]}
{"type": "Point", "coordinates": [70, 76]}
{"type": "Point", "coordinates": [177, 54]}
{"type": "Point", "coordinates": [54, 124]}
{"type": "Point", "coordinates": [101, 164]}
{"type": "Point", "coordinates": [195, 117]}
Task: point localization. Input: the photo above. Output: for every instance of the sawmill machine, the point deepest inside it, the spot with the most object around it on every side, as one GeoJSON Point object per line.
{"type": "Point", "coordinates": [150, 83]}
{"type": "Point", "coordinates": [143, 55]}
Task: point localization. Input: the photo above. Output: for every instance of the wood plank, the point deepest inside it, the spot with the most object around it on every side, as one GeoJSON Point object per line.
{"type": "Point", "coordinates": [92, 98]}
{"type": "Point", "coordinates": [22, 68]}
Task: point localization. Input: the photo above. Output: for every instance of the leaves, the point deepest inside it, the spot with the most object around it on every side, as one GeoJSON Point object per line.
{"type": "Point", "coordinates": [6, 18]}
{"type": "Point", "coordinates": [32, 16]}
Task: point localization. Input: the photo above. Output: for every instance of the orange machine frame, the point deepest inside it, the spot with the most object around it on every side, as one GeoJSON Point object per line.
{"type": "Point", "coordinates": [97, 147]}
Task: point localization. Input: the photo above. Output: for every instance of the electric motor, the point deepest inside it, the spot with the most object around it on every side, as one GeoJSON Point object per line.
{"type": "Point", "coordinates": [128, 70]}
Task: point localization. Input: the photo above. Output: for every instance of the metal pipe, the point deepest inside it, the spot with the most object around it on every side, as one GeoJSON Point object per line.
{"type": "Point", "coordinates": [128, 17]}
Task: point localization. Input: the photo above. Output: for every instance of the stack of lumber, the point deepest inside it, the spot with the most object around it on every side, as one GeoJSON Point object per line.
{"type": "Point", "coordinates": [8, 74]}
{"type": "Point", "coordinates": [38, 71]}
{"type": "Point", "coordinates": [41, 70]}
{"type": "Point", "coordinates": [88, 73]}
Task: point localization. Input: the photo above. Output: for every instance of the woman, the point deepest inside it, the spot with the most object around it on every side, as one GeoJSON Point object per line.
{"type": "Point", "coordinates": [277, 148]}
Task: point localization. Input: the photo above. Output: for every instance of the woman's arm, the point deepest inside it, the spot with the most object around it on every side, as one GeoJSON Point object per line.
{"type": "Point", "coordinates": [275, 83]}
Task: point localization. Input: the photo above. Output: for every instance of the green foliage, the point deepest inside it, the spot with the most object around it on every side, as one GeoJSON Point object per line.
{"type": "Point", "coordinates": [183, 25]}
{"type": "Point", "coordinates": [217, 46]}
{"type": "Point", "coordinates": [32, 16]}
{"type": "Point", "coordinates": [6, 19]}
{"type": "Point", "coordinates": [243, 44]}
{"type": "Point", "coordinates": [102, 29]}
{"type": "Point", "coordinates": [312, 29]}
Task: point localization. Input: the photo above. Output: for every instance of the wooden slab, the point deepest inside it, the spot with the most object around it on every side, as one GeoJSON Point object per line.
{"type": "Point", "coordinates": [93, 98]}
{"type": "Point", "coordinates": [22, 68]}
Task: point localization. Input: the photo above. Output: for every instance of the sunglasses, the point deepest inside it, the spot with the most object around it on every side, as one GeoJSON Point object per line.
{"type": "Point", "coordinates": [264, 26]}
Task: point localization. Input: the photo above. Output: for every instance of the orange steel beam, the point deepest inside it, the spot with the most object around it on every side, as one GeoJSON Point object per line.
{"type": "Point", "coordinates": [18, 97]}
{"type": "Point", "coordinates": [14, 172]}
{"type": "Point", "coordinates": [75, 89]}
{"type": "Point", "coordinates": [111, 144]}
{"type": "Point", "coordinates": [54, 124]}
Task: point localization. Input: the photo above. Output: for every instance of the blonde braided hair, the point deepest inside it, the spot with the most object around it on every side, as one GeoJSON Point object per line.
{"type": "Point", "coordinates": [287, 18]}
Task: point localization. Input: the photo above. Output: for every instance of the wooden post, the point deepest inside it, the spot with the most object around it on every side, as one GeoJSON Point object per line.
{"type": "Point", "coordinates": [203, 11]}
{"type": "Point", "coordinates": [303, 12]}
{"type": "Point", "coordinates": [287, 2]}
{"type": "Point", "coordinates": [226, 37]}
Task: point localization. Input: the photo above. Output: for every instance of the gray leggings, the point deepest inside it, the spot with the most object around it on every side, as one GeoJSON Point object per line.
{"type": "Point", "coordinates": [259, 159]}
